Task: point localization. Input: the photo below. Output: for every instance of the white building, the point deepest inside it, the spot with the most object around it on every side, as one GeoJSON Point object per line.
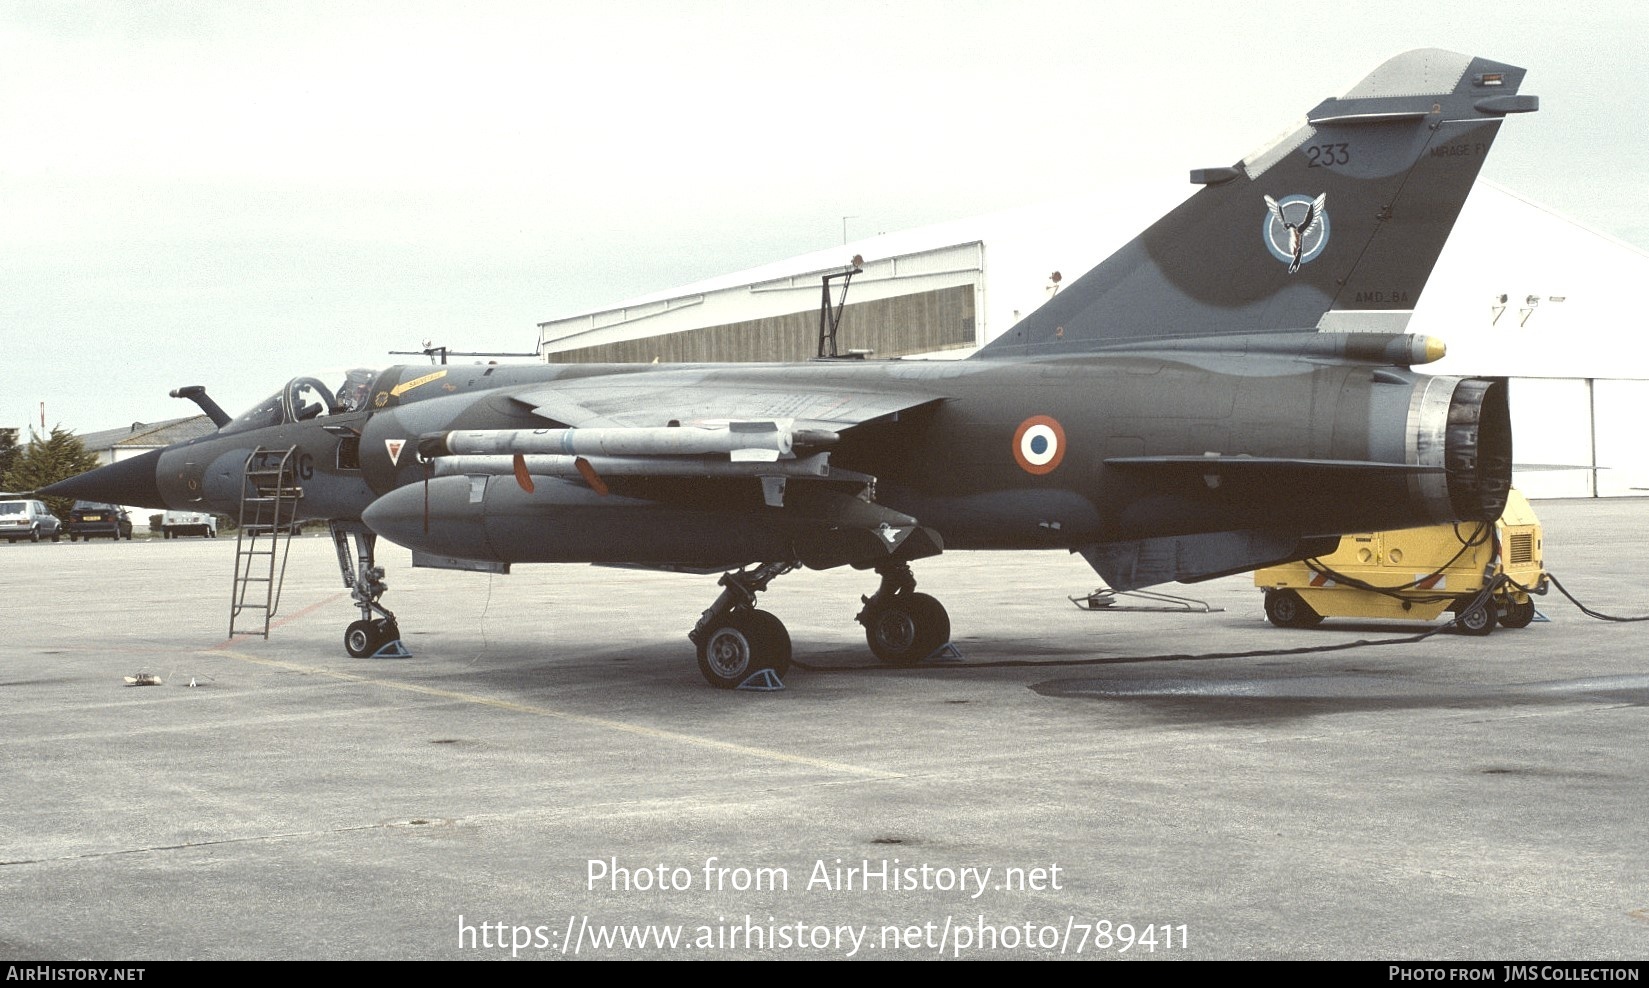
{"type": "Point", "coordinates": [141, 437]}
{"type": "Point", "coordinates": [1523, 293]}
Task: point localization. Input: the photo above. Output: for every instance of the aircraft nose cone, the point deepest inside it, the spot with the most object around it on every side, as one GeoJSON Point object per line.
{"type": "Point", "coordinates": [123, 482]}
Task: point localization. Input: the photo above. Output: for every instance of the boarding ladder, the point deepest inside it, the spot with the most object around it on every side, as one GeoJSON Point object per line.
{"type": "Point", "coordinates": [268, 513]}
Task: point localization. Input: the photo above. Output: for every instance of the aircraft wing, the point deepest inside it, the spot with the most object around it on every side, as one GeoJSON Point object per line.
{"type": "Point", "coordinates": [693, 396]}
{"type": "Point", "coordinates": [669, 441]}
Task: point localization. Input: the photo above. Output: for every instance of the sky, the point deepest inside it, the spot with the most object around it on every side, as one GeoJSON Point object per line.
{"type": "Point", "coordinates": [233, 194]}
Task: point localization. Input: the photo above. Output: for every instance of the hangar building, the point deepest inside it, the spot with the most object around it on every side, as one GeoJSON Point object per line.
{"type": "Point", "coordinates": [1519, 292]}
{"type": "Point", "coordinates": [112, 445]}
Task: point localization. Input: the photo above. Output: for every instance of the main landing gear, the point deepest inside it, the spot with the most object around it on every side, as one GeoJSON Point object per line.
{"type": "Point", "coordinates": [739, 645]}
{"type": "Point", "coordinates": [379, 636]}
{"type": "Point", "coordinates": [903, 627]}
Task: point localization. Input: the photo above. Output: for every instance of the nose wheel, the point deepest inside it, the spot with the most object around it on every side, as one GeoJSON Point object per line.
{"type": "Point", "coordinates": [376, 633]}
{"type": "Point", "coordinates": [364, 638]}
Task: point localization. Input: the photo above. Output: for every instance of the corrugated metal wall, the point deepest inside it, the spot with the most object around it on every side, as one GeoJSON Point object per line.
{"type": "Point", "coordinates": [942, 319]}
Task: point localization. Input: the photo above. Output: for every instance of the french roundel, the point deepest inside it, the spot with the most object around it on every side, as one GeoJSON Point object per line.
{"type": "Point", "coordinates": [1039, 444]}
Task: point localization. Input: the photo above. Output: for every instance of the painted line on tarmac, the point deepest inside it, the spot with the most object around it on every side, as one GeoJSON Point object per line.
{"type": "Point", "coordinates": [280, 622]}
{"type": "Point", "coordinates": [115, 649]}
{"type": "Point", "coordinates": [514, 706]}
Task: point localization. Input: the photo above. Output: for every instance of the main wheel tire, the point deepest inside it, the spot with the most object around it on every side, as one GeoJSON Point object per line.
{"type": "Point", "coordinates": [34, 534]}
{"type": "Point", "coordinates": [742, 644]}
{"type": "Point", "coordinates": [1474, 619]}
{"type": "Point", "coordinates": [1518, 614]}
{"type": "Point", "coordinates": [907, 629]}
{"type": "Point", "coordinates": [361, 639]}
{"type": "Point", "coordinates": [57, 536]}
{"type": "Point", "coordinates": [1287, 609]}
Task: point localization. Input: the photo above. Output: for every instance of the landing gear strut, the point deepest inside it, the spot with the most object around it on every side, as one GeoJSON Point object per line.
{"type": "Point", "coordinates": [736, 641]}
{"type": "Point", "coordinates": [903, 627]}
{"type": "Point", "coordinates": [370, 634]}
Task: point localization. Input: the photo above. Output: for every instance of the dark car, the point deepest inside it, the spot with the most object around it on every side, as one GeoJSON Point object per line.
{"type": "Point", "coordinates": [90, 519]}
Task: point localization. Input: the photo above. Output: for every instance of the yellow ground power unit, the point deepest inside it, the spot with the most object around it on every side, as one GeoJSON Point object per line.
{"type": "Point", "coordinates": [1416, 574]}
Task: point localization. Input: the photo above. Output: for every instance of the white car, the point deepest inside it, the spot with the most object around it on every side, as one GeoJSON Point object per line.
{"type": "Point", "coordinates": [175, 524]}
{"type": "Point", "coordinates": [30, 520]}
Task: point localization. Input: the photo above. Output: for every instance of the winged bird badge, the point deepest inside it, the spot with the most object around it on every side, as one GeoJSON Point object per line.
{"type": "Point", "coordinates": [1299, 240]}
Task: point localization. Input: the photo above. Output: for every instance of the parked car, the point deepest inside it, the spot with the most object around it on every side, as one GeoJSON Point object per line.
{"type": "Point", "coordinates": [176, 524]}
{"type": "Point", "coordinates": [28, 520]}
{"type": "Point", "coordinates": [90, 519]}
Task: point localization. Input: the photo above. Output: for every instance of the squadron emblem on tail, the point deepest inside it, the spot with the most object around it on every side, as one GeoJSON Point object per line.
{"type": "Point", "coordinates": [1300, 240]}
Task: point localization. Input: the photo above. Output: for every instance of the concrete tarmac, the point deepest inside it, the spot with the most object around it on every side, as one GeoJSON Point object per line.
{"type": "Point", "coordinates": [549, 771]}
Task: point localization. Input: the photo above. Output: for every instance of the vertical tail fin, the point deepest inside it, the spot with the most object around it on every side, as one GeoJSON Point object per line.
{"type": "Point", "coordinates": [1346, 211]}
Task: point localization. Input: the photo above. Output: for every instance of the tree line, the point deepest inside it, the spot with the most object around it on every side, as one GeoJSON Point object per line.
{"type": "Point", "coordinates": [43, 461]}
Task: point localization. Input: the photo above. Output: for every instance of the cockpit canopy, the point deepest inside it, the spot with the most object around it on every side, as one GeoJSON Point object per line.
{"type": "Point", "coordinates": [306, 398]}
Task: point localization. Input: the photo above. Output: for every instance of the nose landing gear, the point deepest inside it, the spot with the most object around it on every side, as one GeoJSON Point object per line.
{"type": "Point", "coordinates": [378, 636]}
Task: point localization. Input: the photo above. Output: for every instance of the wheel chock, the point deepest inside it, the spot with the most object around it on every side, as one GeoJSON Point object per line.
{"type": "Point", "coordinates": [392, 650]}
{"type": "Point", "coordinates": [948, 652]}
{"type": "Point", "coordinates": [762, 681]}
{"type": "Point", "coordinates": [1540, 618]}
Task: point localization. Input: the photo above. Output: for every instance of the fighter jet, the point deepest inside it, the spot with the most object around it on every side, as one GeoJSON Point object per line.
{"type": "Point", "coordinates": [1185, 410]}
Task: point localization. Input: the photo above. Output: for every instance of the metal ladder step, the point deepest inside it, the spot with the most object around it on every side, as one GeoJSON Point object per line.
{"type": "Point", "coordinates": [268, 510]}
